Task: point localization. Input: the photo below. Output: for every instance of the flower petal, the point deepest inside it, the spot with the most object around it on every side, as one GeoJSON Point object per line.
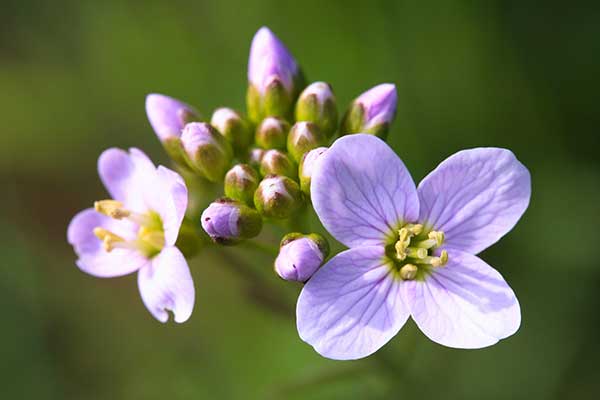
{"type": "Point", "coordinates": [126, 175]}
{"type": "Point", "coordinates": [93, 259]}
{"type": "Point", "coordinates": [166, 284]}
{"type": "Point", "coordinates": [168, 197]}
{"type": "Point", "coordinates": [352, 306]}
{"type": "Point", "coordinates": [467, 304]}
{"type": "Point", "coordinates": [475, 197]}
{"type": "Point", "coordinates": [362, 191]}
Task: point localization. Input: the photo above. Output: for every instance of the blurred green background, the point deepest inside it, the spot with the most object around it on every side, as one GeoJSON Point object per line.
{"type": "Point", "coordinates": [73, 77]}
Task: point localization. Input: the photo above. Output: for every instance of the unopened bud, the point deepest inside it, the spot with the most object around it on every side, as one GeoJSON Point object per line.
{"type": "Point", "coordinates": [209, 153]}
{"type": "Point", "coordinates": [371, 112]}
{"type": "Point", "coordinates": [274, 78]}
{"type": "Point", "coordinates": [272, 133]}
{"type": "Point", "coordinates": [227, 221]}
{"type": "Point", "coordinates": [278, 197]}
{"type": "Point", "coordinates": [235, 129]}
{"type": "Point", "coordinates": [300, 256]}
{"type": "Point", "coordinates": [303, 137]}
{"type": "Point", "coordinates": [241, 182]}
{"type": "Point", "coordinates": [255, 156]}
{"type": "Point", "coordinates": [307, 165]}
{"type": "Point", "coordinates": [168, 116]}
{"type": "Point", "coordinates": [317, 105]}
{"type": "Point", "coordinates": [275, 162]}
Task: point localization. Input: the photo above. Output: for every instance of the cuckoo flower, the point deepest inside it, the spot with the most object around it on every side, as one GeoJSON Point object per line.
{"type": "Point", "coordinates": [412, 250]}
{"type": "Point", "coordinates": [136, 230]}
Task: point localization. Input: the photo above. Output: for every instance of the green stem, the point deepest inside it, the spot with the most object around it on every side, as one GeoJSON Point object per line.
{"type": "Point", "coordinates": [264, 248]}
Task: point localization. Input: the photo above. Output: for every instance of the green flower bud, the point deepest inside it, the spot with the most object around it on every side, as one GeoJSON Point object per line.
{"type": "Point", "coordinates": [241, 182]}
{"type": "Point", "coordinates": [278, 197]}
{"type": "Point", "coordinates": [227, 221]}
{"type": "Point", "coordinates": [235, 129]}
{"type": "Point", "coordinates": [317, 105]}
{"type": "Point", "coordinates": [209, 153]}
{"type": "Point", "coordinates": [306, 168]}
{"type": "Point", "coordinates": [275, 162]}
{"type": "Point", "coordinates": [303, 137]}
{"type": "Point", "coordinates": [255, 156]}
{"type": "Point", "coordinates": [272, 133]}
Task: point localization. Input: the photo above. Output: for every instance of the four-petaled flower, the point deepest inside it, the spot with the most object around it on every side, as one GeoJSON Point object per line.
{"type": "Point", "coordinates": [136, 231]}
{"type": "Point", "coordinates": [411, 249]}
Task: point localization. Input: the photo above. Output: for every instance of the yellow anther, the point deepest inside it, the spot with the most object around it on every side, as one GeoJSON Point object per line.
{"type": "Point", "coordinates": [400, 250]}
{"type": "Point", "coordinates": [108, 238]}
{"type": "Point", "coordinates": [414, 229]}
{"type": "Point", "coordinates": [441, 260]}
{"type": "Point", "coordinates": [438, 236]}
{"type": "Point", "coordinates": [408, 272]}
{"type": "Point", "coordinates": [111, 208]}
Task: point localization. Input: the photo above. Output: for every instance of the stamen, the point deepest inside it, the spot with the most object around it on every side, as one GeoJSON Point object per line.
{"type": "Point", "coordinates": [111, 208]}
{"type": "Point", "coordinates": [438, 236]}
{"type": "Point", "coordinates": [408, 272]}
{"type": "Point", "coordinates": [425, 244]}
{"type": "Point", "coordinates": [414, 229]}
{"type": "Point", "coordinates": [153, 238]}
{"type": "Point", "coordinates": [109, 239]}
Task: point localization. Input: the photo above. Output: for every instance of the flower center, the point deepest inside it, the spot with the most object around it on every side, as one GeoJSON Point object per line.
{"type": "Point", "coordinates": [413, 251]}
{"type": "Point", "coordinates": [150, 236]}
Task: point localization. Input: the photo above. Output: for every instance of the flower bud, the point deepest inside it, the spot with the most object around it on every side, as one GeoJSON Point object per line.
{"type": "Point", "coordinates": [272, 133]}
{"type": "Point", "coordinates": [241, 182]}
{"type": "Point", "coordinates": [275, 162]}
{"type": "Point", "coordinates": [317, 105]}
{"type": "Point", "coordinates": [278, 197]}
{"type": "Point", "coordinates": [168, 116]}
{"type": "Point", "coordinates": [209, 153]}
{"type": "Point", "coordinates": [255, 156]}
{"type": "Point", "coordinates": [307, 165]}
{"type": "Point", "coordinates": [235, 129]}
{"type": "Point", "coordinates": [303, 137]}
{"type": "Point", "coordinates": [274, 77]}
{"type": "Point", "coordinates": [300, 256]}
{"type": "Point", "coordinates": [371, 112]}
{"type": "Point", "coordinates": [227, 221]}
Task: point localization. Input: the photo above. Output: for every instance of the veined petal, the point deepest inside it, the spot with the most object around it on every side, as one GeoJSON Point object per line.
{"type": "Point", "coordinates": [168, 197]}
{"type": "Point", "coordinates": [93, 259]}
{"type": "Point", "coordinates": [352, 306]}
{"type": "Point", "coordinates": [466, 304]}
{"type": "Point", "coordinates": [475, 197]}
{"type": "Point", "coordinates": [166, 284]}
{"type": "Point", "coordinates": [362, 191]}
{"type": "Point", "coordinates": [126, 175]}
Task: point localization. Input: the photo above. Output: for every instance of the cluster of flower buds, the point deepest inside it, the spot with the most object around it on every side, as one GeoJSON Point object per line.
{"type": "Point", "coordinates": [265, 159]}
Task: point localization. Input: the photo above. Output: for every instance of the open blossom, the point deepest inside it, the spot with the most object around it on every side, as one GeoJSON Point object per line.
{"type": "Point", "coordinates": [136, 230]}
{"type": "Point", "coordinates": [412, 250]}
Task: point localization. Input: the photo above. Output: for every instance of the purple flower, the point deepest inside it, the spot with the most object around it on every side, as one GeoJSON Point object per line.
{"type": "Point", "coordinates": [136, 231]}
{"type": "Point", "coordinates": [168, 116]}
{"type": "Point", "coordinates": [412, 250]}
{"type": "Point", "coordinates": [270, 60]}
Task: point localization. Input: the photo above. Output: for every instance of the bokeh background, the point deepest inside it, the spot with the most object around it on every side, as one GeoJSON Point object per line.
{"type": "Point", "coordinates": [73, 77]}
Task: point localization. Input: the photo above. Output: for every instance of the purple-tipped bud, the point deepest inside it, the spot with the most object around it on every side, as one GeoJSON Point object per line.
{"type": "Point", "coordinates": [317, 105]}
{"type": "Point", "coordinates": [300, 256]}
{"type": "Point", "coordinates": [168, 116]}
{"type": "Point", "coordinates": [306, 168]}
{"type": "Point", "coordinates": [241, 182]}
{"type": "Point", "coordinates": [227, 221]}
{"type": "Point", "coordinates": [235, 129]}
{"type": "Point", "coordinates": [272, 133]}
{"type": "Point", "coordinates": [209, 153]}
{"type": "Point", "coordinates": [372, 112]}
{"type": "Point", "coordinates": [273, 75]}
{"type": "Point", "coordinates": [278, 197]}
{"type": "Point", "coordinates": [276, 162]}
{"type": "Point", "coordinates": [255, 156]}
{"type": "Point", "coordinates": [269, 60]}
{"type": "Point", "coordinates": [304, 136]}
